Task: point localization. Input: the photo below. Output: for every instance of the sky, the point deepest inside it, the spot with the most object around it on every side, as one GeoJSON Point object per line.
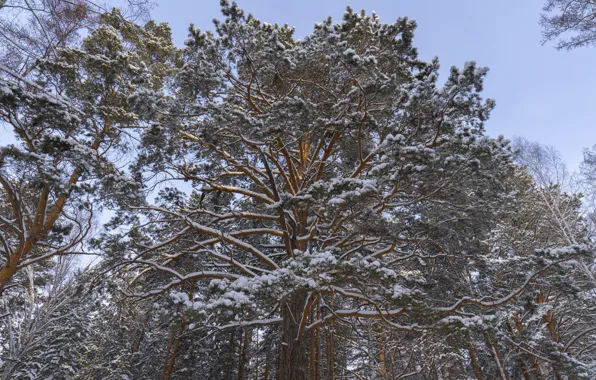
{"type": "Point", "coordinates": [542, 94]}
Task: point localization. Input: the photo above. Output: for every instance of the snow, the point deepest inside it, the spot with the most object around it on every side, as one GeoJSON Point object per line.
{"type": "Point", "coordinates": [349, 52]}
{"type": "Point", "coordinates": [399, 291]}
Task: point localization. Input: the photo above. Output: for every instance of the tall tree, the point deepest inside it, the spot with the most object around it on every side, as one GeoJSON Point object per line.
{"type": "Point", "coordinates": [73, 128]}
{"type": "Point", "coordinates": [335, 182]}
{"type": "Point", "coordinates": [558, 189]}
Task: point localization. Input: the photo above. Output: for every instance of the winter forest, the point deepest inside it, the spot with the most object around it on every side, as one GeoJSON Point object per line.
{"type": "Point", "coordinates": [252, 205]}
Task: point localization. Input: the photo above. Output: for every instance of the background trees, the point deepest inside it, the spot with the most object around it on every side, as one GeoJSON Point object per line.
{"type": "Point", "coordinates": [572, 23]}
{"type": "Point", "coordinates": [73, 130]}
{"type": "Point", "coordinates": [46, 330]}
{"type": "Point", "coordinates": [70, 139]}
{"type": "Point", "coordinates": [37, 29]}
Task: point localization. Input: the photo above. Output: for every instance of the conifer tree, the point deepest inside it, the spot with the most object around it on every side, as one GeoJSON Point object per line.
{"type": "Point", "coordinates": [335, 182]}
{"type": "Point", "coordinates": [72, 123]}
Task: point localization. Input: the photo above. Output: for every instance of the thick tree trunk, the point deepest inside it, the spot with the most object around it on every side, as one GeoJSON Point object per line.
{"type": "Point", "coordinates": [10, 267]}
{"type": "Point", "coordinates": [6, 274]}
{"type": "Point", "coordinates": [293, 360]}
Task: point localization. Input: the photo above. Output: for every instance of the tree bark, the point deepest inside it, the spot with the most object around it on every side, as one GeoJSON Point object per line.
{"type": "Point", "coordinates": [330, 361]}
{"type": "Point", "coordinates": [172, 359]}
{"type": "Point", "coordinates": [243, 353]}
{"type": "Point", "coordinates": [293, 360]}
{"type": "Point", "coordinates": [382, 367]}
{"type": "Point", "coordinates": [492, 345]}
{"type": "Point", "coordinates": [473, 357]}
{"type": "Point", "coordinates": [167, 356]}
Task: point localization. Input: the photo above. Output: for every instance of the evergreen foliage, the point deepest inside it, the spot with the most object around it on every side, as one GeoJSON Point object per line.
{"type": "Point", "coordinates": [284, 209]}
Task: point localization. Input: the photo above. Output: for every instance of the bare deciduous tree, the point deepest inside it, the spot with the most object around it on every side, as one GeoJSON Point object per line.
{"type": "Point", "coordinates": [572, 23]}
{"type": "Point", "coordinates": [35, 29]}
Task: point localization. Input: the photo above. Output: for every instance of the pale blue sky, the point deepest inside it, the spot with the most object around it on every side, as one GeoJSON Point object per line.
{"type": "Point", "coordinates": [543, 94]}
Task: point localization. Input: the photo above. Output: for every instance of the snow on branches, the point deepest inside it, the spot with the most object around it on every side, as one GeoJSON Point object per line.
{"type": "Point", "coordinates": [330, 173]}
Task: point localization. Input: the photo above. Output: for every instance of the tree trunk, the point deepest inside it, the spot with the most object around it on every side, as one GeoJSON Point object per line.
{"type": "Point", "coordinates": [473, 357]}
{"type": "Point", "coordinates": [175, 350]}
{"type": "Point", "coordinates": [168, 350]}
{"type": "Point", "coordinates": [330, 361]}
{"type": "Point", "coordinates": [492, 345]}
{"type": "Point", "coordinates": [318, 347]}
{"type": "Point", "coordinates": [293, 360]}
{"type": "Point", "coordinates": [382, 367]}
{"type": "Point", "coordinates": [243, 353]}
{"type": "Point", "coordinates": [231, 348]}
{"type": "Point", "coordinates": [312, 354]}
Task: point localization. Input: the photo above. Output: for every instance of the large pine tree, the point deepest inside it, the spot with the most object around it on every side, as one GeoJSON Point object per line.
{"type": "Point", "coordinates": [335, 182]}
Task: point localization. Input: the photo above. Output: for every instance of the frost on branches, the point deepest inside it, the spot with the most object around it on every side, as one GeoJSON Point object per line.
{"type": "Point", "coordinates": [73, 128]}
{"type": "Point", "coordinates": [336, 183]}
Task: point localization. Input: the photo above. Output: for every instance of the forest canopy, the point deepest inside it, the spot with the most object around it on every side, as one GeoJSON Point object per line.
{"type": "Point", "coordinates": [267, 207]}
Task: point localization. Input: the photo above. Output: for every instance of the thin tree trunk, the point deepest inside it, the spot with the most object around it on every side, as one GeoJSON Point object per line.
{"type": "Point", "coordinates": [498, 359]}
{"type": "Point", "coordinates": [312, 354]}
{"type": "Point", "coordinates": [167, 356]}
{"type": "Point", "coordinates": [382, 368]}
{"type": "Point", "coordinates": [318, 346]}
{"type": "Point", "coordinates": [330, 374]}
{"type": "Point", "coordinates": [230, 355]}
{"type": "Point", "coordinates": [242, 355]}
{"type": "Point", "coordinates": [533, 361]}
{"type": "Point", "coordinates": [473, 357]}
{"type": "Point", "coordinates": [278, 363]}
{"type": "Point", "coordinates": [174, 354]}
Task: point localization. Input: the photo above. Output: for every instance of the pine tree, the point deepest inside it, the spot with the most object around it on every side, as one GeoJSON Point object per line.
{"type": "Point", "coordinates": [68, 139]}
{"type": "Point", "coordinates": [335, 182]}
